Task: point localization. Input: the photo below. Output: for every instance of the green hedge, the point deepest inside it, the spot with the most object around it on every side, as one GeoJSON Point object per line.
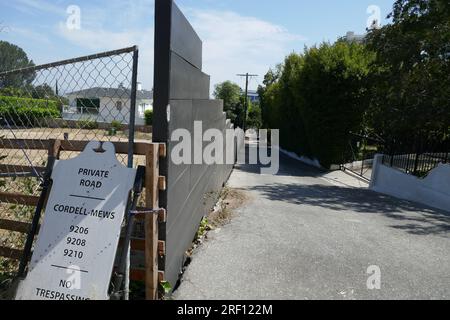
{"type": "Point", "coordinates": [148, 115]}
{"type": "Point", "coordinates": [317, 98]}
{"type": "Point", "coordinates": [26, 111]}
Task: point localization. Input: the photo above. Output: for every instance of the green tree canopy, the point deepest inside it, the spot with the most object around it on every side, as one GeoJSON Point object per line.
{"type": "Point", "coordinates": [254, 119]}
{"type": "Point", "coordinates": [229, 92]}
{"type": "Point", "coordinates": [43, 91]}
{"type": "Point", "coordinates": [410, 86]}
{"type": "Point", "coordinates": [13, 57]}
{"type": "Point", "coordinates": [233, 103]}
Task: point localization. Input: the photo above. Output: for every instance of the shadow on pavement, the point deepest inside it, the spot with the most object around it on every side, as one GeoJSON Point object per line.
{"type": "Point", "coordinates": [288, 166]}
{"type": "Point", "coordinates": [417, 219]}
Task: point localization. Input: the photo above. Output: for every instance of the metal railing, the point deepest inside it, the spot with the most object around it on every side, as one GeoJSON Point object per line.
{"type": "Point", "coordinates": [359, 155]}
{"type": "Point", "coordinates": [417, 158]}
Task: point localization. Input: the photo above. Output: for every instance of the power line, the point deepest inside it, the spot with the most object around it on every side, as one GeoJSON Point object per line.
{"type": "Point", "coordinates": [254, 80]}
{"type": "Point", "coordinates": [247, 77]}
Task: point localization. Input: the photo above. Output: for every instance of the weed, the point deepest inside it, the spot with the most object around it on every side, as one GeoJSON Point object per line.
{"type": "Point", "coordinates": [203, 229]}
{"type": "Point", "coordinates": [165, 289]}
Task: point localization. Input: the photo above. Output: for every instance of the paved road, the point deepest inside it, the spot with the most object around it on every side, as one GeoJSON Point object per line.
{"type": "Point", "coordinates": [302, 237]}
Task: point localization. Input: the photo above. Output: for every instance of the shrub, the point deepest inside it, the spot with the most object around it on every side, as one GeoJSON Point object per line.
{"type": "Point", "coordinates": [318, 98]}
{"type": "Point", "coordinates": [27, 111]}
{"type": "Point", "coordinates": [88, 124]}
{"type": "Point", "coordinates": [330, 89]}
{"type": "Point", "coordinates": [14, 92]}
{"type": "Point", "coordinates": [117, 125]}
{"type": "Point", "coordinates": [254, 120]}
{"type": "Point", "coordinates": [148, 115]}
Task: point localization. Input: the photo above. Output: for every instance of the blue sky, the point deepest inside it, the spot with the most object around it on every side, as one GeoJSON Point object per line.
{"type": "Point", "coordinates": [239, 35]}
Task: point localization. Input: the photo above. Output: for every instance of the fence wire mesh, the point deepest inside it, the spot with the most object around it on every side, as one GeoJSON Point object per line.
{"type": "Point", "coordinates": [83, 99]}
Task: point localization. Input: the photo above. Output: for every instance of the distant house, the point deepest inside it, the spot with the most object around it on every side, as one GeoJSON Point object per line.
{"type": "Point", "coordinates": [107, 105]}
{"type": "Point", "coordinates": [352, 37]}
{"type": "Point", "coordinates": [253, 96]}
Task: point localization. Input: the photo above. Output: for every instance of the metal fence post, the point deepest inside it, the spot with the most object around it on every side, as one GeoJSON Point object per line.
{"type": "Point", "coordinates": [416, 163]}
{"type": "Point", "coordinates": [364, 141]}
{"type": "Point", "coordinates": [131, 131]}
{"type": "Point", "coordinates": [391, 153]}
{"type": "Point", "coordinates": [132, 122]}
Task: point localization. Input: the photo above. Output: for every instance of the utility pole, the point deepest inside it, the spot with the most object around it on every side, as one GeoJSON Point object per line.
{"type": "Point", "coordinates": [247, 76]}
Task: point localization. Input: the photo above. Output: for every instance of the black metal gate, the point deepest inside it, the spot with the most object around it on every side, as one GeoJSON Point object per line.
{"type": "Point", "coordinates": [359, 155]}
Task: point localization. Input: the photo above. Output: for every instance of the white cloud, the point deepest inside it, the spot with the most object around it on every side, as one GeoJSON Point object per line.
{"type": "Point", "coordinates": [30, 35]}
{"type": "Point", "coordinates": [118, 25]}
{"type": "Point", "coordinates": [33, 6]}
{"type": "Point", "coordinates": [98, 39]}
{"type": "Point", "coordinates": [233, 43]}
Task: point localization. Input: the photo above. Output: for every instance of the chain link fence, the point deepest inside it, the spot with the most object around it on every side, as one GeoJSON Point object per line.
{"type": "Point", "coordinates": [89, 98]}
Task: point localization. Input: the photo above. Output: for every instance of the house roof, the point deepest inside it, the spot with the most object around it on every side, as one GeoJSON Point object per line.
{"type": "Point", "coordinates": [98, 92]}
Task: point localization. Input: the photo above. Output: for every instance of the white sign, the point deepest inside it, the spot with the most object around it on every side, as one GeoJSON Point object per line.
{"type": "Point", "coordinates": [75, 251]}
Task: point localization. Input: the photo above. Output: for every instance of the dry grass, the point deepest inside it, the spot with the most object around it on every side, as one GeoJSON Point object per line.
{"type": "Point", "coordinates": [39, 157]}
{"type": "Point", "coordinates": [223, 213]}
{"type": "Point", "coordinates": [74, 134]}
{"type": "Point", "coordinates": [230, 200]}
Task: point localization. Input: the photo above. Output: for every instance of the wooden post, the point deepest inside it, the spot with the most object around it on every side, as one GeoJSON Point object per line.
{"type": "Point", "coordinates": [151, 222]}
{"type": "Point", "coordinates": [54, 148]}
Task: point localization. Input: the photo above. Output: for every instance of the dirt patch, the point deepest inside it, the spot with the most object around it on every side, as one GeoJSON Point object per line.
{"type": "Point", "coordinates": [222, 214]}
{"type": "Point", "coordinates": [39, 157]}
{"type": "Point", "coordinates": [230, 200]}
{"type": "Point", "coordinates": [73, 134]}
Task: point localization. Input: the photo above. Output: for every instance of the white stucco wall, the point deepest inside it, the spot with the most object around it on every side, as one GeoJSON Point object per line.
{"type": "Point", "coordinates": [433, 191]}
{"type": "Point", "coordinates": [108, 111]}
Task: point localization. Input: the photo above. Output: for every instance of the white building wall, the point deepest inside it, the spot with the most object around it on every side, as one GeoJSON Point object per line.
{"type": "Point", "coordinates": [433, 191]}
{"type": "Point", "coordinates": [109, 112]}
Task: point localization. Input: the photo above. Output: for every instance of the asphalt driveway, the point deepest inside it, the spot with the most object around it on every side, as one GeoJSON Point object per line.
{"type": "Point", "coordinates": [299, 236]}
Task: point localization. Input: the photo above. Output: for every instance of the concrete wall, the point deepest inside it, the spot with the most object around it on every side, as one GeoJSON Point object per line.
{"type": "Point", "coordinates": [433, 191]}
{"type": "Point", "coordinates": [181, 96]}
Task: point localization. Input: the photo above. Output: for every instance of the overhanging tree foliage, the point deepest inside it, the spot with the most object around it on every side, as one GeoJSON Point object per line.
{"type": "Point", "coordinates": [11, 58]}
{"type": "Point", "coordinates": [396, 86]}
{"type": "Point", "coordinates": [410, 86]}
